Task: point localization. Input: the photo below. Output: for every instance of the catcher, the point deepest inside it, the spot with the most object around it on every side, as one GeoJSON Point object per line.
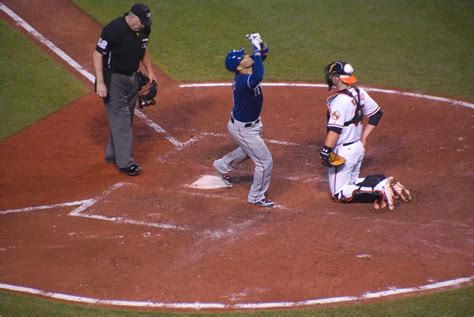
{"type": "Point", "coordinates": [345, 142]}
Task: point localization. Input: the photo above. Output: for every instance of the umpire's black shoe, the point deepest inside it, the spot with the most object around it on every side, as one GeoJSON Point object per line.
{"type": "Point", "coordinates": [132, 170]}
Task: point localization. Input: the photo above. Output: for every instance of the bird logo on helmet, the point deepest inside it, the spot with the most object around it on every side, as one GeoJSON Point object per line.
{"type": "Point", "coordinates": [341, 69]}
{"type": "Point", "coordinates": [233, 58]}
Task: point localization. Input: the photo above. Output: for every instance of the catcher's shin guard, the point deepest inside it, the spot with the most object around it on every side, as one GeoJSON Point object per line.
{"type": "Point", "coordinates": [372, 180]}
{"type": "Point", "coordinates": [376, 197]}
{"type": "Point", "coordinates": [363, 196]}
{"type": "Point", "coordinates": [360, 196]}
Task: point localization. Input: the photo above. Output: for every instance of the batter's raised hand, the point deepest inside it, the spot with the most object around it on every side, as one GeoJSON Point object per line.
{"type": "Point", "coordinates": [256, 41]}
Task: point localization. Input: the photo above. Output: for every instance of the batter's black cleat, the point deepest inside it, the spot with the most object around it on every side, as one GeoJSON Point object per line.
{"type": "Point", "coordinates": [132, 170]}
{"type": "Point", "coordinates": [265, 203]}
{"type": "Point", "coordinates": [226, 180]}
{"type": "Point", "coordinates": [224, 176]}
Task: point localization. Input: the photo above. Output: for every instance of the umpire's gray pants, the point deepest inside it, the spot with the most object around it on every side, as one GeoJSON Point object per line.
{"type": "Point", "coordinates": [251, 145]}
{"type": "Point", "coordinates": [120, 106]}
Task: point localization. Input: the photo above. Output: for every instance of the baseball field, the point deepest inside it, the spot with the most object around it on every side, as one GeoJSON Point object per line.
{"type": "Point", "coordinates": [75, 234]}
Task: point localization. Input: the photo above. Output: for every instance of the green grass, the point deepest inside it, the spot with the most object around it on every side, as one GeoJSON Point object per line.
{"type": "Point", "coordinates": [32, 85]}
{"type": "Point", "coordinates": [447, 304]}
{"type": "Point", "coordinates": [420, 45]}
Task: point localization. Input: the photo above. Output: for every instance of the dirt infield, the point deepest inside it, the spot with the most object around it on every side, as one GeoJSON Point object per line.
{"type": "Point", "coordinates": [152, 238]}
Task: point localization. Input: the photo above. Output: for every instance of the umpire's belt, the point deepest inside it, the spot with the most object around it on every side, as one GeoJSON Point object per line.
{"type": "Point", "coordinates": [244, 124]}
{"type": "Point", "coordinates": [125, 73]}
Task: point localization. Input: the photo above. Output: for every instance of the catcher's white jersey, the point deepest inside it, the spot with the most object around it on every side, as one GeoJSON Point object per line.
{"type": "Point", "coordinates": [342, 109]}
{"type": "Point", "coordinates": [344, 113]}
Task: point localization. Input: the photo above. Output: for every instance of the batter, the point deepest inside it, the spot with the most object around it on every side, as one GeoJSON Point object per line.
{"type": "Point", "coordinates": [245, 125]}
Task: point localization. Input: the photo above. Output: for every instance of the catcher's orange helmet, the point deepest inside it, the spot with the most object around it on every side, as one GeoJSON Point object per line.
{"type": "Point", "coordinates": [343, 70]}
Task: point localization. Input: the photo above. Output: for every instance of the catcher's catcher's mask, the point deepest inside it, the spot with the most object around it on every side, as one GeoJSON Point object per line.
{"type": "Point", "coordinates": [342, 70]}
{"type": "Point", "coordinates": [147, 91]}
{"type": "Point", "coordinates": [148, 99]}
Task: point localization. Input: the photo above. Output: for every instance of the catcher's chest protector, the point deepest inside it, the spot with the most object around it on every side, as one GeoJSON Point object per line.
{"type": "Point", "coordinates": [358, 115]}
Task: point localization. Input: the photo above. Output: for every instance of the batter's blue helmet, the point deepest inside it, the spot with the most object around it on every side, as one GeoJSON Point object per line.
{"type": "Point", "coordinates": [233, 58]}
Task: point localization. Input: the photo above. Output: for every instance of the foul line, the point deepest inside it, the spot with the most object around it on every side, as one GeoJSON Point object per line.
{"type": "Point", "coordinates": [310, 85]}
{"type": "Point", "coordinates": [85, 204]}
{"type": "Point", "coordinates": [41, 38]}
{"type": "Point", "coordinates": [200, 305]}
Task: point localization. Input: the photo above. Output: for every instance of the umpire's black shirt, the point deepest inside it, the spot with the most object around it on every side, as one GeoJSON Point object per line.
{"type": "Point", "coordinates": [122, 48]}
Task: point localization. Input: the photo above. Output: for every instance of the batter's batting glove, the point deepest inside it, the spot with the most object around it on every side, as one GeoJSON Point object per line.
{"type": "Point", "coordinates": [256, 41]}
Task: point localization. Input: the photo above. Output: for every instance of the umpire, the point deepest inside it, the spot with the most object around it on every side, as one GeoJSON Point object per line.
{"type": "Point", "coordinates": [122, 46]}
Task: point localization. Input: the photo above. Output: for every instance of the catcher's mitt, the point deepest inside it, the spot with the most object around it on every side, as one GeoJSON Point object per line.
{"type": "Point", "coordinates": [147, 92]}
{"type": "Point", "coordinates": [330, 159]}
{"type": "Point", "coordinates": [336, 160]}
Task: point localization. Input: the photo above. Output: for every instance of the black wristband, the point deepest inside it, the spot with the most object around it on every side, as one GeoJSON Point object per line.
{"type": "Point", "coordinates": [327, 149]}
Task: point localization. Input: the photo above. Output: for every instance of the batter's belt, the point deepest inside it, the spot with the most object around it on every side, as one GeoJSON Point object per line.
{"type": "Point", "coordinates": [244, 124]}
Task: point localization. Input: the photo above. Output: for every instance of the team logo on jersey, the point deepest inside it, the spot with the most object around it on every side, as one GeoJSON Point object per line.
{"type": "Point", "coordinates": [336, 115]}
{"type": "Point", "coordinates": [102, 43]}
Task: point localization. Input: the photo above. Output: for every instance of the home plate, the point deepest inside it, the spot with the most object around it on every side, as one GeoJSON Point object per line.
{"type": "Point", "coordinates": [209, 182]}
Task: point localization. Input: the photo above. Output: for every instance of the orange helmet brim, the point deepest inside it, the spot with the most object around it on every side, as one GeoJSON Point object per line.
{"type": "Point", "coordinates": [348, 80]}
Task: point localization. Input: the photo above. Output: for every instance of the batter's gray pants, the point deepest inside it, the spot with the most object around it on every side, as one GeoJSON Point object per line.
{"type": "Point", "coordinates": [120, 106]}
{"type": "Point", "coordinates": [251, 145]}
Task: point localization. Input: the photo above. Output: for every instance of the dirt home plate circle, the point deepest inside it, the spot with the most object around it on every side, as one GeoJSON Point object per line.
{"type": "Point", "coordinates": [177, 238]}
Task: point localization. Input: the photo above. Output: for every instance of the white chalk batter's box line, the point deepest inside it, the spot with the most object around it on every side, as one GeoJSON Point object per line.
{"type": "Point", "coordinates": [259, 305]}
{"type": "Point", "coordinates": [85, 204]}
